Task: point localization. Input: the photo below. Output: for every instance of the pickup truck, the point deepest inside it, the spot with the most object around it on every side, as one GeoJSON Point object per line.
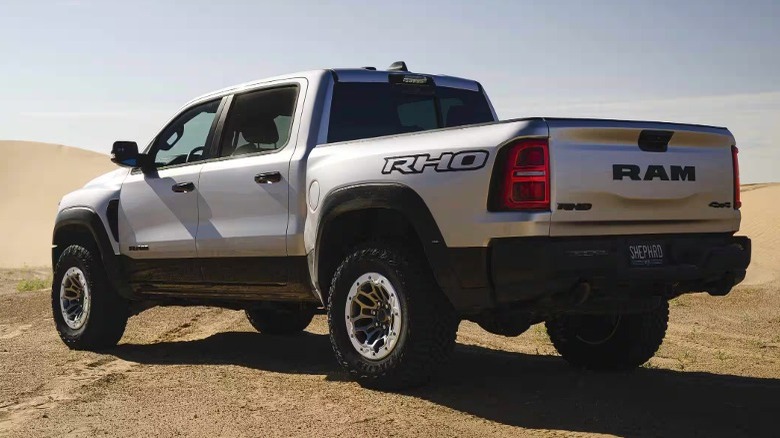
{"type": "Point", "coordinates": [398, 204]}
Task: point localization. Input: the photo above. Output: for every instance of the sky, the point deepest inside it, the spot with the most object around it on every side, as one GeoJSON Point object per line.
{"type": "Point", "coordinates": [85, 73]}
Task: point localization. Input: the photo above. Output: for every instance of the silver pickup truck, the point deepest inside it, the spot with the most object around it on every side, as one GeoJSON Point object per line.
{"type": "Point", "coordinates": [399, 204]}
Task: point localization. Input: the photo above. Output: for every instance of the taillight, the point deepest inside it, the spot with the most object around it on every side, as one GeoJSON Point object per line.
{"type": "Point", "coordinates": [526, 177]}
{"type": "Point", "coordinates": [735, 166]}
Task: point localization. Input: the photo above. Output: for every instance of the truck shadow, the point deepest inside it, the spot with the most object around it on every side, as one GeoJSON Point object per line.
{"type": "Point", "coordinates": [539, 392]}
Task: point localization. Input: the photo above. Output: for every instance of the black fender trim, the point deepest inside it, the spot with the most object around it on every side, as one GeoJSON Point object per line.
{"type": "Point", "coordinates": [406, 201]}
{"type": "Point", "coordinates": [88, 219]}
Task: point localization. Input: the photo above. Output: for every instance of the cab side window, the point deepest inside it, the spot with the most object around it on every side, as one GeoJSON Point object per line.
{"type": "Point", "coordinates": [185, 140]}
{"type": "Point", "coordinates": [259, 121]}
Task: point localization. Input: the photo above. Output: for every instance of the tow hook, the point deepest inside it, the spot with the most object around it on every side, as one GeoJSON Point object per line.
{"type": "Point", "coordinates": [723, 286]}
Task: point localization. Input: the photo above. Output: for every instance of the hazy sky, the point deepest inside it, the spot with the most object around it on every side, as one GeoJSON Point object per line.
{"type": "Point", "coordinates": [85, 73]}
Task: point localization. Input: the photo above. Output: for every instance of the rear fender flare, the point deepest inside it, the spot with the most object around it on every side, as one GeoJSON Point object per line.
{"type": "Point", "coordinates": [402, 199]}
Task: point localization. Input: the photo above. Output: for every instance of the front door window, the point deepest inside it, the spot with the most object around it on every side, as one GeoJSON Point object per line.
{"type": "Point", "coordinates": [186, 139]}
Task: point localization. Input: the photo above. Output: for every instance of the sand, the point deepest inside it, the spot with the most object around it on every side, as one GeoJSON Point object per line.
{"type": "Point", "coordinates": [33, 179]}
{"type": "Point", "coordinates": [205, 372]}
{"type": "Point", "coordinates": [761, 222]}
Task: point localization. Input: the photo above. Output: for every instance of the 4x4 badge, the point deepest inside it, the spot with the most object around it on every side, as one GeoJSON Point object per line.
{"type": "Point", "coordinates": [716, 204]}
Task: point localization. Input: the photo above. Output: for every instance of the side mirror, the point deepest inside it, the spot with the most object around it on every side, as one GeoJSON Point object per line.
{"type": "Point", "coordinates": [125, 153]}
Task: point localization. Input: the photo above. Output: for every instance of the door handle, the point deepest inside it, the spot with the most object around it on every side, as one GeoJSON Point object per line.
{"type": "Point", "coordinates": [184, 187]}
{"type": "Point", "coordinates": [268, 177]}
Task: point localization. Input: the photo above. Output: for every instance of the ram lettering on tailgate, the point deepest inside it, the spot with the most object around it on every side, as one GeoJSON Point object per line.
{"type": "Point", "coordinates": [632, 171]}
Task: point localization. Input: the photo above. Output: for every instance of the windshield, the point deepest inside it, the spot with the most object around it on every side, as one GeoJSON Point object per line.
{"type": "Point", "coordinates": [371, 109]}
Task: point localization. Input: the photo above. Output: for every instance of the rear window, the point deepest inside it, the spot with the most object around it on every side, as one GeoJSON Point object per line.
{"type": "Point", "coordinates": [365, 110]}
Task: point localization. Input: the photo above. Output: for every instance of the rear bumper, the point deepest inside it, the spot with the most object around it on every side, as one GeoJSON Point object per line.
{"type": "Point", "coordinates": [527, 269]}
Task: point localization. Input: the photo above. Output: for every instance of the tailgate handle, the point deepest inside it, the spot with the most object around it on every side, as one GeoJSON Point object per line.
{"type": "Point", "coordinates": [654, 141]}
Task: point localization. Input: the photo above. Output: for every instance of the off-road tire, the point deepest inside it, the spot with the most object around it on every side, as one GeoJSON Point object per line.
{"type": "Point", "coordinates": [429, 323]}
{"type": "Point", "coordinates": [634, 341]}
{"type": "Point", "coordinates": [108, 315]}
{"type": "Point", "coordinates": [280, 321]}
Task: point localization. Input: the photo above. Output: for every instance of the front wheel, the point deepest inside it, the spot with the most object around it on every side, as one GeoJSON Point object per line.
{"type": "Point", "coordinates": [390, 325]}
{"type": "Point", "coordinates": [609, 342]}
{"type": "Point", "coordinates": [88, 312]}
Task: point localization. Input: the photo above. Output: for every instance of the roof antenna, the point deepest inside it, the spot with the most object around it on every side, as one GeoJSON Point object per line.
{"type": "Point", "coordinates": [398, 66]}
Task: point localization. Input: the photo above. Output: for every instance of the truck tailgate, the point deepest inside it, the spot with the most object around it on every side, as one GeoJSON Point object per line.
{"type": "Point", "coordinates": [621, 177]}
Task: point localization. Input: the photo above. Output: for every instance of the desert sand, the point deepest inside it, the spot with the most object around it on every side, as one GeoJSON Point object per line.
{"type": "Point", "coordinates": [33, 179]}
{"type": "Point", "coordinates": [761, 222]}
{"type": "Point", "coordinates": [205, 372]}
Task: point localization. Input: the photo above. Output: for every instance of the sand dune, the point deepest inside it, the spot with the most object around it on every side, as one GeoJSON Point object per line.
{"type": "Point", "coordinates": [761, 222]}
{"type": "Point", "coordinates": [33, 178]}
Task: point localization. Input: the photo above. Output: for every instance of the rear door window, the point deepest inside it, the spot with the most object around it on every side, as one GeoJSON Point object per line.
{"type": "Point", "coordinates": [259, 121]}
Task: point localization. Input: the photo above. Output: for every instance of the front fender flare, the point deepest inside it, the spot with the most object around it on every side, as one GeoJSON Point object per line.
{"type": "Point", "coordinates": [87, 219]}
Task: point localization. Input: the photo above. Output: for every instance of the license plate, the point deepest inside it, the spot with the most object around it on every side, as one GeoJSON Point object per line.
{"type": "Point", "coordinates": [646, 254]}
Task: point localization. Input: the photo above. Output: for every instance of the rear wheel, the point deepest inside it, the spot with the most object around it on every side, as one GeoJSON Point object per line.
{"type": "Point", "coordinates": [390, 325]}
{"type": "Point", "coordinates": [87, 311]}
{"type": "Point", "coordinates": [609, 342]}
{"type": "Point", "coordinates": [280, 319]}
